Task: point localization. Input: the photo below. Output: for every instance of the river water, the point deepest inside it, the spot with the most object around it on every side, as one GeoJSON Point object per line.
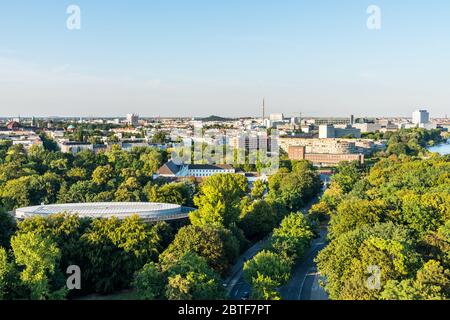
{"type": "Point", "coordinates": [443, 149]}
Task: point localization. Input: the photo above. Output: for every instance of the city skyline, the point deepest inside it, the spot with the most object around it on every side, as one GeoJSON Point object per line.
{"type": "Point", "coordinates": [263, 114]}
{"type": "Point", "coordinates": [169, 59]}
{"type": "Point", "coordinates": [215, 159]}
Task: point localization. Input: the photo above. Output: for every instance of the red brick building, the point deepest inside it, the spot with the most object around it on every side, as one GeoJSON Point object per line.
{"type": "Point", "coordinates": [322, 159]}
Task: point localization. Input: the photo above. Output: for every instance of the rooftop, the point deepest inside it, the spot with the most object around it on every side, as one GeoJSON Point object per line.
{"type": "Point", "coordinates": [210, 166]}
{"type": "Point", "coordinates": [146, 210]}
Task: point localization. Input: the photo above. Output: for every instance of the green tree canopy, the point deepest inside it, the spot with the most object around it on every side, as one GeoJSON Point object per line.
{"type": "Point", "coordinates": [7, 228]}
{"type": "Point", "coordinates": [258, 218]}
{"type": "Point", "coordinates": [267, 264]}
{"type": "Point", "coordinates": [264, 288]}
{"type": "Point", "coordinates": [190, 278]}
{"type": "Point", "coordinates": [218, 200]}
{"type": "Point", "coordinates": [149, 282]}
{"type": "Point", "coordinates": [293, 237]}
{"type": "Point", "coordinates": [217, 245]}
{"type": "Point", "coordinates": [40, 257]}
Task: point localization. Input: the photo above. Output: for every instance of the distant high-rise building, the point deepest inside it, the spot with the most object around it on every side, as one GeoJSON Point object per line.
{"type": "Point", "coordinates": [293, 121]}
{"type": "Point", "coordinates": [326, 132]}
{"type": "Point", "coordinates": [421, 117]}
{"type": "Point", "coordinates": [133, 119]}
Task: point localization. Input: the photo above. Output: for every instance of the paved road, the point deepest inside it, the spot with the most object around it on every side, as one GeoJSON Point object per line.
{"type": "Point", "coordinates": [304, 284]}
{"type": "Point", "coordinates": [238, 288]}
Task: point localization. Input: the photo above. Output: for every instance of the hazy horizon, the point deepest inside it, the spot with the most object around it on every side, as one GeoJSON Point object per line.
{"type": "Point", "coordinates": [173, 58]}
{"type": "Point", "coordinates": [123, 116]}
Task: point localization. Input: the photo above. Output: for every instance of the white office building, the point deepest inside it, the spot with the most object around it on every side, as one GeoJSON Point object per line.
{"type": "Point", "coordinates": [368, 127]}
{"type": "Point", "coordinates": [331, 131]}
{"type": "Point", "coordinates": [420, 117]}
{"type": "Point", "coordinates": [171, 169]}
{"type": "Point", "coordinates": [133, 119]}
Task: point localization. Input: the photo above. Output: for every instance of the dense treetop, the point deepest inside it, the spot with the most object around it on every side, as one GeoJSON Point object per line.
{"type": "Point", "coordinates": [393, 217]}
{"type": "Point", "coordinates": [45, 176]}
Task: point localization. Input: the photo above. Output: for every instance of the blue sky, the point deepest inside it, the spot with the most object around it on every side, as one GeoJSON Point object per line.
{"type": "Point", "coordinates": [202, 57]}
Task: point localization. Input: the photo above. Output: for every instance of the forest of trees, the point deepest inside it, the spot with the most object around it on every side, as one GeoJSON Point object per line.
{"type": "Point", "coordinates": [389, 229]}
{"type": "Point", "coordinates": [410, 142]}
{"type": "Point", "coordinates": [44, 176]}
{"type": "Point", "coordinates": [158, 261]}
{"type": "Point", "coordinates": [392, 218]}
{"type": "Point", "coordinates": [271, 268]}
{"type": "Point", "coordinates": [36, 253]}
{"type": "Point", "coordinates": [289, 191]}
{"type": "Point", "coordinates": [229, 218]}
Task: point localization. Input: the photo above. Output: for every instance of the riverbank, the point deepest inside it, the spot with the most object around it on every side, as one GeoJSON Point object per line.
{"type": "Point", "coordinates": [443, 148]}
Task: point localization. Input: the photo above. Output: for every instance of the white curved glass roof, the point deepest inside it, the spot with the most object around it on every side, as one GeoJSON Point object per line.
{"type": "Point", "coordinates": [106, 209]}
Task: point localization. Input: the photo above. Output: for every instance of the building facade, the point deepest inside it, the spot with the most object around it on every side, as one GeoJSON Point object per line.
{"type": "Point", "coordinates": [332, 146]}
{"type": "Point", "coordinates": [322, 159]}
{"type": "Point", "coordinates": [133, 119]}
{"type": "Point", "coordinates": [331, 131]}
{"type": "Point", "coordinates": [25, 138]}
{"type": "Point", "coordinates": [368, 127]}
{"type": "Point", "coordinates": [420, 117]}
{"type": "Point", "coordinates": [172, 170]}
{"type": "Point", "coordinates": [74, 147]}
